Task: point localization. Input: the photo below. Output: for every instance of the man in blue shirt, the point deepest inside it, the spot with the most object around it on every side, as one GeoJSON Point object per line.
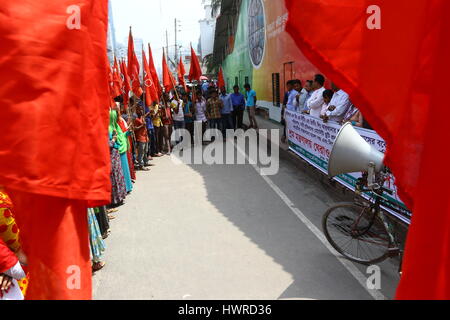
{"type": "Point", "coordinates": [251, 100]}
{"type": "Point", "coordinates": [205, 88]}
{"type": "Point", "coordinates": [238, 101]}
{"type": "Point", "coordinates": [227, 120]}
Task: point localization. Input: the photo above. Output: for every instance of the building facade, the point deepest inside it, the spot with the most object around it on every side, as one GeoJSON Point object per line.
{"type": "Point", "coordinates": [207, 30]}
{"type": "Point", "coordinates": [252, 46]}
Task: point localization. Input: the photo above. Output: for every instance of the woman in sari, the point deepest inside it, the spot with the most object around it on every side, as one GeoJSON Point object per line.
{"type": "Point", "coordinates": [9, 234]}
{"type": "Point", "coordinates": [119, 190]}
{"type": "Point", "coordinates": [96, 242]}
{"type": "Point", "coordinates": [122, 142]}
{"type": "Point", "coordinates": [125, 128]}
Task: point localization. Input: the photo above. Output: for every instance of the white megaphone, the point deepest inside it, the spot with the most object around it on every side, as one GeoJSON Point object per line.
{"type": "Point", "coordinates": [351, 153]}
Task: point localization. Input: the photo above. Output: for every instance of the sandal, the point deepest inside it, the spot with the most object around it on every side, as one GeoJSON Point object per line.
{"type": "Point", "coordinates": [98, 266]}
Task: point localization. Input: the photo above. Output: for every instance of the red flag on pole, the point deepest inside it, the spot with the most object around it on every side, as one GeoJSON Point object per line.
{"type": "Point", "coordinates": [221, 79]}
{"type": "Point", "coordinates": [55, 72]}
{"type": "Point", "coordinates": [168, 82]}
{"type": "Point", "coordinates": [151, 94]}
{"type": "Point", "coordinates": [195, 71]}
{"type": "Point", "coordinates": [118, 83]}
{"type": "Point", "coordinates": [153, 72]}
{"type": "Point", "coordinates": [114, 84]}
{"type": "Point", "coordinates": [392, 60]}
{"type": "Point", "coordinates": [181, 72]}
{"type": "Point", "coordinates": [133, 67]}
{"type": "Point", "coordinates": [126, 84]}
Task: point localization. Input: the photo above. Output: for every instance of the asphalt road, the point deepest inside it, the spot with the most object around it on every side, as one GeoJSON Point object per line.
{"type": "Point", "coordinates": [225, 232]}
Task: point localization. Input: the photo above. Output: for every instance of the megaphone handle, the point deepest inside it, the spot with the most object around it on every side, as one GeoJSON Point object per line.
{"type": "Point", "coordinates": [371, 177]}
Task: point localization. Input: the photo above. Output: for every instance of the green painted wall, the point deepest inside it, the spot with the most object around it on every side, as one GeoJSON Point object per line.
{"type": "Point", "coordinates": [238, 63]}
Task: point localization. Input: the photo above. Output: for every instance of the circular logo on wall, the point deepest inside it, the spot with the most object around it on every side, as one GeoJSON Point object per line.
{"type": "Point", "coordinates": [256, 32]}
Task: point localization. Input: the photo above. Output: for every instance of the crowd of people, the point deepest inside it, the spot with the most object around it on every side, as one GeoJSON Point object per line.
{"type": "Point", "coordinates": [315, 100]}
{"type": "Point", "coordinates": [137, 134]}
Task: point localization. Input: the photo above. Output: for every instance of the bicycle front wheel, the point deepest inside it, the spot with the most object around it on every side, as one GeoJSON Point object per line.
{"type": "Point", "coordinates": [357, 233]}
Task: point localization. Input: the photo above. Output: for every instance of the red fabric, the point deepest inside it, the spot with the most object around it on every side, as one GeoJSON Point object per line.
{"type": "Point", "coordinates": [7, 258]}
{"type": "Point", "coordinates": [126, 84]}
{"type": "Point", "coordinates": [114, 84]}
{"type": "Point", "coordinates": [131, 162]}
{"type": "Point", "coordinates": [181, 72]}
{"type": "Point", "coordinates": [117, 80]}
{"type": "Point", "coordinates": [133, 67]}
{"type": "Point", "coordinates": [221, 79]}
{"type": "Point", "coordinates": [154, 72]}
{"type": "Point", "coordinates": [151, 93]}
{"type": "Point", "coordinates": [56, 245]}
{"type": "Point", "coordinates": [141, 134]}
{"type": "Point", "coordinates": [168, 82]}
{"type": "Point", "coordinates": [53, 99]}
{"type": "Point", "coordinates": [54, 120]}
{"type": "Point", "coordinates": [396, 75]}
{"type": "Point", "coordinates": [195, 71]}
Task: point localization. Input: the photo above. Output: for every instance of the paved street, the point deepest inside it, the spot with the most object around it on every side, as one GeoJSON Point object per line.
{"type": "Point", "coordinates": [225, 232]}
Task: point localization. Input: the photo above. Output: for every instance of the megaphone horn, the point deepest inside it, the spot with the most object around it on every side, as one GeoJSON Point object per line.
{"type": "Point", "coordinates": [351, 153]}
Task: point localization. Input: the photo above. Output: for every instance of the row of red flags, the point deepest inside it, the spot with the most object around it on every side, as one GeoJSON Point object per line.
{"type": "Point", "coordinates": [125, 78]}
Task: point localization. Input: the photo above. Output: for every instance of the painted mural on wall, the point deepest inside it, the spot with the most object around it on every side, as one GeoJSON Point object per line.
{"type": "Point", "coordinates": [262, 47]}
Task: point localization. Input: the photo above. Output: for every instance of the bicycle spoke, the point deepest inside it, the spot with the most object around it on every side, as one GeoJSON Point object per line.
{"type": "Point", "coordinates": [356, 233]}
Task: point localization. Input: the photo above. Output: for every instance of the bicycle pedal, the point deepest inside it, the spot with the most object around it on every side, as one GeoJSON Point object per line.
{"type": "Point", "coordinates": [393, 252]}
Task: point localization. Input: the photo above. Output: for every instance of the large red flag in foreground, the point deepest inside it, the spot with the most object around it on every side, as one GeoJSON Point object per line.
{"type": "Point", "coordinates": [393, 60]}
{"type": "Point", "coordinates": [133, 67]}
{"type": "Point", "coordinates": [153, 72]}
{"type": "Point", "coordinates": [181, 72]}
{"type": "Point", "coordinates": [54, 154]}
{"type": "Point", "coordinates": [195, 71]}
{"type": "Point", "coordinates": [168, 82]}
{"type": "Point", "coordinates": [151, 94]}
{"type": "Point", "coordinates": [221, 79]}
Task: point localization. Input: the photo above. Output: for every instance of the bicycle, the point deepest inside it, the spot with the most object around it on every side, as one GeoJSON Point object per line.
{"type": "Point", "coordinates": [368, 236]}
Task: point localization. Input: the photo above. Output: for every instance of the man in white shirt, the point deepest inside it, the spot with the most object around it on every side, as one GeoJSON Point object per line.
{"type": "Point", "coordinates": [305, 95]}
{"type": "Point", "coordinates": [178, 116]}
{"type": "Point", "coordinates": [315, 103]}
{"type": "Point", "coordinates": [339, 105]}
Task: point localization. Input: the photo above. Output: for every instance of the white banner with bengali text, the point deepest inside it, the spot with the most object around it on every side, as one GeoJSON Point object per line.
{"type": "Point", "coordinates": [312, 140]}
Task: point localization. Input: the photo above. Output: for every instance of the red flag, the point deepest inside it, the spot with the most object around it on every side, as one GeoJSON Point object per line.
{"type": "Point", "coordinates": [133, 67]}
{"type": "Point", "coordinates": [117, 79]}
{"type": "Point", "coordinates": [151, 94]}
{"type": "Point", "coordinates": [114, 84]}
{"type": "Point", "coordinates": [392, 60]}
{"type": "Point", "coordinates": [126, 84]}
{"type": "Point", "coordinates": [196, 71]}
{"type": "Point", "coordinates": [168, 82]}
{"type": "Point", "coordinates": [181, 73]}
{"type": "Point", "coordinates": [221, 79]}
{"type": "Point", "coordinates": [55, 73]}
{"type": "Point", "coordinates": [153, 72]}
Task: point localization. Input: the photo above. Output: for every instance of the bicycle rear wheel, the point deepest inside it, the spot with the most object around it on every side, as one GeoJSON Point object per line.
{"type": "Point", "coordinates": [357, 233]}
